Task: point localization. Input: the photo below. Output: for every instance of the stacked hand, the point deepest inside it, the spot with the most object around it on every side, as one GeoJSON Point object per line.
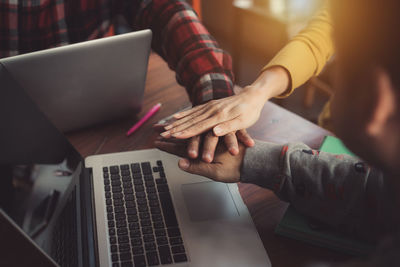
{"type": "Point", "coordinates": [224, 168]}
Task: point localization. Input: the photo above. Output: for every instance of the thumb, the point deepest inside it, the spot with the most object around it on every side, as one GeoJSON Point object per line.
{"type": "Point", "coordinates": [196, 167]}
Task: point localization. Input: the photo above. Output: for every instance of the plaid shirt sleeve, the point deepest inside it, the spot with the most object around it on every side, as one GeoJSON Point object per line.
{"type": "Point", "coordinates": [201, 66]}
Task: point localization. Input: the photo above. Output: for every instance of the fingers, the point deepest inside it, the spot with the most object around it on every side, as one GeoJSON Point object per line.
{"type": "Point", "coordinates": [187, 112]}
{"type": "Point", "coordinates": [245, 138]}
{"type": "Point", "coordinates": [171, 147]}
{"type": "Point", "coordinates": [193, 146]}
{"type": "Point", "coordinates": [159, 127]}
{"type": "Point", "coordinates": [197, 167]}
{"type": "Point", "coordinates": [228, 126]}
{"type": "Point", "coordinates": [231, 143]}
{"type": "Point", "coordinates": [209, 144]}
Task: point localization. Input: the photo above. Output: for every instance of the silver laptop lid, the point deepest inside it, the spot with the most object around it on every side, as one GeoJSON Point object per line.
{"type": "Point", "coordinates": [85, 83]}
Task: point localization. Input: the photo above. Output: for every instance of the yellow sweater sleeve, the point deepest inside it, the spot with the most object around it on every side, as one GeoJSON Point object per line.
{"type": "Point", "coordinates": [307, 53]}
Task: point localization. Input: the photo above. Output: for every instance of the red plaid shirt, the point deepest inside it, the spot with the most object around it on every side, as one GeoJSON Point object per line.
{"type": "Point", "coordinates": [201, 66]}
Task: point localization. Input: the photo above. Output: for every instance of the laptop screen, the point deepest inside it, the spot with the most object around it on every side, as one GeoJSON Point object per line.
{"type": "Point", "coordinates": [39, 177]}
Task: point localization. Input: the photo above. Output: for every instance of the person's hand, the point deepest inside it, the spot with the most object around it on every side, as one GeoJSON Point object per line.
{"type": "Point", "coordinates": [224, 168]}
{"type": "Point", "coordinates": [208, 142]}
{"type": "Point", "coordinates": [229, 114]}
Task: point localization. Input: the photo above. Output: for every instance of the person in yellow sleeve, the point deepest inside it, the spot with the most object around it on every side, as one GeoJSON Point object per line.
{"type": "Point", "coordinates": [302, 58]}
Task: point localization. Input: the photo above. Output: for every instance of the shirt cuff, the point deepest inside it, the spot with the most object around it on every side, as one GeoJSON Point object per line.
{"type": "Point", "coordinates": [212, 86]}
{"type": "Point", "coordinates": [261, 165]}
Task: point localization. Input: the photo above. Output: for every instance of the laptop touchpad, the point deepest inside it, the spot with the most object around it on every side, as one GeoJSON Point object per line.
{"type": "Point", "coordinates": [209, 201]}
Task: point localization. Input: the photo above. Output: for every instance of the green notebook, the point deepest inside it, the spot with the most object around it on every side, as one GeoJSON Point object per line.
{"type": "Point", "coordinates": [296, 226]}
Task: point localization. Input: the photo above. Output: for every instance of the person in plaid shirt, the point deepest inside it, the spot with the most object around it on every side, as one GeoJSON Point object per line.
{"type": "Point", "coordinates": [201, 66]}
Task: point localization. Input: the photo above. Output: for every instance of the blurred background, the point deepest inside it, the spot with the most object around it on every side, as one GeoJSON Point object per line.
{"type": "Point", "coordinates": [253, 31]}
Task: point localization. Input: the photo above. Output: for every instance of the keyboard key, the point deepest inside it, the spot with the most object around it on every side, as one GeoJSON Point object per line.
{"type": "Point", "coordinates": [111, 223]}
{"type": "Point", "coordinates": [148, 177]}
{"type": "Point", "coordinates": [137, 182]}
{"type": "Point", "coordinates": [149, 183]}
{"type": "Point", "coordinates": [137, 250]}
{"type": "Point", "coordinates": [105, 169]}
{"type": "Point", "coordinates": [123, 239]}
{"type": "Point", "coordinates": [155, 210]}
{"type": "Point", "coordinates": [165, 255]}
{"type": "Point", "coordinates": [173, 232]}
{"type": "Point", "coordinates": [129, 197]}
{"type": "Point", "coordinates": [125, 256]}
{"type": "Point", "coordinates": [180, 258]}
{"type": "Point", "coordinates": [114, 257]}
{"type": "Point", "coordinates": [108, 201]}
{"type": "Point", "coordinates": [135, 233]}
{"type": "Point", "coordinates": [146, 168]}
{"type": "Point", "coordinates": [141, 201]}
{"type": "Point", "coordinates": [108, 194]}
{"type": "Point", "coordinates": [128, 190]}
{"type": "Point", "coordinates": [124, 247]}
{"type": "Point", "coordinates": [150, 246]}
{"type": "Point", "coordinates": [156, 218]}
{"type": "Point", "coordinates": [113, 240]}
{"type": "Point", "coordinates": [159, 163]}
{"type": "Point", "coordinates": [134, 226]}
{"type": "Point", "coordinates": [154, 203]}
{"type": "Point", "coordinates": [175, 240]}
{"type": "Point", "coordinates": [162, 174]}
{"type": "Point", "coordinates": [152, 196]}
{"type": "Point", "coordinates": [147, 230]}
{"type": "Point", "coordinates": [160, 232]}
{"type": "Point", "coordinates": [117, 195]}
{"type": "Point", "coordinates": [159, 225]}
{"type": "Point", "coordinates": [144, 215]}
{"type": "Point", "coordinates": [118, 202]}
{"type": "Point", "coordinates": [168, 210]}
{"type": "Point", "coordinates": [161, 181]}
{"type": "Point", "coordinates": [107, 188]}
{"type": "Point", "coordinates": [120, 224]}
{"type": "Point", "coordinates": [125, 173]}
{"type": "Point", "coordinates": [124, 167]}
{"type": "Point", "coordinates": [114, 248]}
{"type": "Point", "coordinates": [117, 189]}
{"type": "Point", "coordinates": [145, 223]}
{"type": "Point", "coordinates": [127, 185]}
{"type": "Point", "coordinates": [115, 177]}
{"type": "Point", "coordinates": [132, 218]}
{"type": "Point", "coordinates": [162, 241]}
{"type": "Point", "coordinates": [139, 261]}
{"type": "Point", "coordinates": [120, 217]}
{"type": "Point", "coordinates": [106, 181]}
{"type": "Point", "coordinates": [155, 169]}
{"type": "Point", "coordinates": [119, 209]}
{"type": "Point", "coordinates": [122, 231]}
{"type": "Point", "coordinates": [141, 195]}
{"type": "Point", "coordinates": [148, 238]}
{"type": "Point", "coordinates": [135, 167]}
{"type": "Point", "coordinates": [151, 190]}
{"type": "Point", "coordinates": [162, 188]}
{"type": "Point", "coordinates": [139, 188]}
{"type": "Point", "coordinates": [127, 264]}
{"type": "Point", "coordinates": [130, 204]}
{"type": "Point", "coordinates": [116, 183]}
{"type": "Point", "coordinates": [152, 258]}
{"type": "Point", "coordinates": [137, 175]}
{"type": "Point", "coordinates": [114, 169]}
{"type": "Point", "coordinates": [178, 249]}
{"type": "Point", "coordinates": [137, 241]}
{"type": "Point", "coordinates": [106, 175]}
{"type": "Point", "coordinates": [111, 231]}
{"type": "Point", "coordinates": [131, 211]}
{"type": "Point", "coordinates": [143, 208]}
{"type": "Point", "coordinates": [109, 209]}
{"type": "Point", "coordinates": [110, 216]}
{"type": "Point", "coordinates": [126, 178]}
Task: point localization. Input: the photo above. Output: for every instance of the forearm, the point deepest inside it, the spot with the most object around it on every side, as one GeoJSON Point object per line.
{"type": "Point", "coordinates": [307, 53]}
{"type": "Point", "coordinates": [340, 191]}
{"type": "Point", "coordinates": [201, 66]}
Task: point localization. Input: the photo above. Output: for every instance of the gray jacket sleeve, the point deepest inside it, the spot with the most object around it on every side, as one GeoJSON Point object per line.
{"type": "Point", "coordinates": [338, 190]}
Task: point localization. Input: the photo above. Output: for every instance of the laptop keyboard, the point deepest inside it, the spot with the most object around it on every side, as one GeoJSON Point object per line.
{"type": "Point", "coordinates": [142, 224]}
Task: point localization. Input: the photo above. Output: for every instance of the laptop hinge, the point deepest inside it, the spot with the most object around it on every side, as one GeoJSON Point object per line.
{"type": "Point", "coordinates": [89, 232]}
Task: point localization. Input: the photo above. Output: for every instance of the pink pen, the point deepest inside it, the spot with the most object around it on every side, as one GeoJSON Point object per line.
{"type": "Point", "coordinates": [148, 115]}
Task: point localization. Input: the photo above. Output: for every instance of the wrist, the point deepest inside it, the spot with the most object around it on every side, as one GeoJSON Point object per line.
{"type": "Point", "coordinates": [272, 82]}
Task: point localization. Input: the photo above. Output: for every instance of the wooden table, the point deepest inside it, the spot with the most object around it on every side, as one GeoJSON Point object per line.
{"type": "Point", "coordinates": [276, 124]}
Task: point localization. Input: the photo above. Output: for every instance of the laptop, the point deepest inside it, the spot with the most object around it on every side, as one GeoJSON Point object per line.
{"type": "Point", "coordinates": [86, 83]}
{"type": "Point", "coordinates": [123, 209]}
